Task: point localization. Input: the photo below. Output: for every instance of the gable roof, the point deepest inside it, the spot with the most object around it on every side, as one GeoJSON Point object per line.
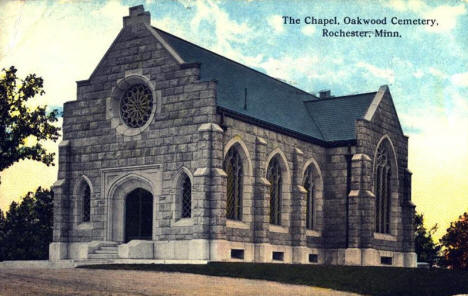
{"type": "Point", "coordinates": [335, 117]}
{"type": "Point", "coordinates": [271, 101]}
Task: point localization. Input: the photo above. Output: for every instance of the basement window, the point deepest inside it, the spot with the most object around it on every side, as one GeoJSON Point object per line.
{"type": "Point", "coordinates": [237, 253]}
{"type": "Point", "coordinates": [313, 258]}
{"type": "Point", "coordinates": [278, 256]}
{"type": "Point", "coordinates": [386, 260]}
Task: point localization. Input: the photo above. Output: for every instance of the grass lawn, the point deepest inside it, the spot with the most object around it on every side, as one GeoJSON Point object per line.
{"type": "Point", "coordinates": [364, 280]}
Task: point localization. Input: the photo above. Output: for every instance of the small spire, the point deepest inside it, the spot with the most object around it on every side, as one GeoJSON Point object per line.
{"type": "Point", "coordinates": [137, 14]}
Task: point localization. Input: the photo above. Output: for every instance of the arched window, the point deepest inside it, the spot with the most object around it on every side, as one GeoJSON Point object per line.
{"type": "Point", "coordinates": [186, 193]}
{"type": "Point", "coordinates": [310, 203]}
{"type": "Point", "coordinates": [233, 169]}
{"type": "Point", "coordinates": [86, 209]}
{"type": "Point", "coordinates": [382, 179]}
{"type": "Point", "coordinates": [274, 177]}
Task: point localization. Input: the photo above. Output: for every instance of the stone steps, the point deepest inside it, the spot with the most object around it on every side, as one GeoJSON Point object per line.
{"type": "Point", "coordinates": [106, 250]}
{"type": "Point", "coordinates": [103, 256]}
{"type": "Point", "coordinates": [108, 244]}
{"type": "Point", "coordinates": [110, 248]}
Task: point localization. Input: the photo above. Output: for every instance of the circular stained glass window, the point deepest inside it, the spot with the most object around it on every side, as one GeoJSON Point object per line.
{"type": "Point", "coordinates": [136, 106]}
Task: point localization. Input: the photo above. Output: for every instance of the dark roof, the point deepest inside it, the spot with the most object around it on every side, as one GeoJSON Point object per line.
{"type": "Point", "coordinates": [335, 117]}
{"type": "Point", "coordinates": [272, 101]}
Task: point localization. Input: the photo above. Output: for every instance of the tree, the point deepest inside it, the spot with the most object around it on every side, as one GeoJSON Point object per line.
{"type": "Point", "coordinates": [455, 242]}
{"type": "Point", "coordinates": [26, 230]}
{"type": "Point", "coordinates": [425, 247]}
{"type": "Point", "coordinates": [19, 122]}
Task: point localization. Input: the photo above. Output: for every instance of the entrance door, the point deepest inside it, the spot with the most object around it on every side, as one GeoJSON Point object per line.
{"type": "Point", "coordinates": [138, 215]}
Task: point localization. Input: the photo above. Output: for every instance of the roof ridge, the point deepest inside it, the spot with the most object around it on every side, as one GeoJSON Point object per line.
{"type": "Point", "coordinates": [340, 97]}
{"type": "Point", "coordinates": [315, 123]}
{"type": "Point", "coordinates": [251, 69]}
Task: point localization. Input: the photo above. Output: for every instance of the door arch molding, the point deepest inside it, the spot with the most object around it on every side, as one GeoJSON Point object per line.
{"type": "Point", "coordinates": [117, 194]}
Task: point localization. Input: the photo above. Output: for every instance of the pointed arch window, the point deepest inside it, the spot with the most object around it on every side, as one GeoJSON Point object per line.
{"type": "Point", "coordinates": [274, 177]}
{"type": "Point", "coordinates": [233, 169]}
{"type": "Point", "coordinates": [186, 193]}
{"type": "Point", "coordinates": [310, 200]}
{"type": "Point", "coordinates": [382, 179]}
{"type": "Point", "coordinates": [86, 210]}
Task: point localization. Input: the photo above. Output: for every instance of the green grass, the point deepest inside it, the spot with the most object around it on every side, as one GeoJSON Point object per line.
{"type": "Point", "coordinates": [364, 280]}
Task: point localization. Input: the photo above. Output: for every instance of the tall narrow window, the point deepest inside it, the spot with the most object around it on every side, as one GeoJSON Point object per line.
{"type": "Point", "coordinates": [233, 168]}
{"type": "Point", "coordinates": [310, 206]}
{"type": "Point", "coordinates": [86, 210]}
{"type": "Point", "coordinates": [382, 177]}
{"type": "Point", "coordinates": [274, 177]}
{"type": "Point", "coordinates": [186, 197]}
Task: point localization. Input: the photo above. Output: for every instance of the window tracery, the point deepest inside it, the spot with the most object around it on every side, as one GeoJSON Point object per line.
{"type": "Point", "coordinates": [275, 179]}
{"type": "Point", "coordinates": [234, 184]}
{"type": "Point", "coordinates": [382, 179]}
{"type": "Point", "coordinates": [136, 105]}
{"type": "Point", "coordinates": [310, 202]}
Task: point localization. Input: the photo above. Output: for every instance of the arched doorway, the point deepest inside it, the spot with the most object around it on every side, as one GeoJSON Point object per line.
{"type": "Point", "coordinates": [138, 215]}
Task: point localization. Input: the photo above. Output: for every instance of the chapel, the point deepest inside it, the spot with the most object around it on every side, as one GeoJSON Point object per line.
{"type": "Point", "coordinates": [172, 152]}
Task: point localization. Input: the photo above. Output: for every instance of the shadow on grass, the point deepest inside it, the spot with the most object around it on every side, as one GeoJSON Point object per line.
{"type": "Point", "coordinates": [364, 280]}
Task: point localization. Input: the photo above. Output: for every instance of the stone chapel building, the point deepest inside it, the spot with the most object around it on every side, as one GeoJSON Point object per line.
{"type": "Point", "coordinates": [173, 152]}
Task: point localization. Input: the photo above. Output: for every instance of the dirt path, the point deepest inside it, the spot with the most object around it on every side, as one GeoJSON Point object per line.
{"type": "Point", "coordinates": [118, 282]}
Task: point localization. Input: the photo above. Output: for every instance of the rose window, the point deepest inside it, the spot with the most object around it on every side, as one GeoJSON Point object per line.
{"type": "Point", "coordinates": [136, 106]}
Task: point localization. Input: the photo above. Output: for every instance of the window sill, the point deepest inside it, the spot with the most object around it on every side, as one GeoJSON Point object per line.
{"type": "Point", "coordinates": [237, 224]}
{"type": "Point", "coordinates": [85, 226]}
{"type": "Point", "coordinates": [183, 222]}
{"type": "Point", "coordinates": [278, 228]}
{"type": "Point", "coordinates": [314, 233]}
{"type": "Point", "coordinates": [384, 236]}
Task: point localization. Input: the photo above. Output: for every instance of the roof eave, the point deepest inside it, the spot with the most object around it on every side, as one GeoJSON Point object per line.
{"type": "Point", "coordinates": [375, 103]}
{"type": "Point", "coordinates": [285, 131]}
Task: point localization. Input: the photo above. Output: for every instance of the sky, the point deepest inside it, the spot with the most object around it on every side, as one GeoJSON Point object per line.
{"type": "Point", "coordinates": [425, 68]}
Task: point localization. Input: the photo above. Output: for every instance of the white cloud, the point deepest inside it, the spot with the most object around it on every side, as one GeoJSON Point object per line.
{"type": "Point", "coordinates": [386, 74]}
{"type": "Point", "coordinates": [418, 73]}
{"type": "Point", "coordinates": [276, 22]}
{"type": "Point", "coordinates": [437, 73]}
{"type": "Point", "coordinates": [460, 79]}
{"type": "Point", "coordinates": [446, 17]}
{"type": "Point", "coordinates": [397, 5]}
{"type": "Point", "coordinates": [411, 5]}
{"type": "Point", "coordinates": [112, 10]}
{"type": "Point", "coordinates": [226, 29]}
{"type": "Point", "coordinates": [172, 25]}
{"type": "Point", "coordinates": [308, 30]}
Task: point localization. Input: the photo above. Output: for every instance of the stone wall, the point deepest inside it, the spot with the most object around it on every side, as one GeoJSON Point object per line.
{"type": "Point", "coordinates": [385, 125]}
{"type": "Point", "coordinates": [261, 145]}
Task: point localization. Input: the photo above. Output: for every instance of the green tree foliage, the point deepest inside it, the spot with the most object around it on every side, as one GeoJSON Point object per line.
{"type": "Point", "coordinates": [26, 229]}
{"type": "Point", "coordinates": [19, 122]}
{"type": "Point", "coordinates": [425, 247]}
{"type": "Point", "coordinates": [455, 242]}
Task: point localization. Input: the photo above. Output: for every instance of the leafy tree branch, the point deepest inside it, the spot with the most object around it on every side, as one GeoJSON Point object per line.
{"type": "Point", "coordinates": [18, 122]}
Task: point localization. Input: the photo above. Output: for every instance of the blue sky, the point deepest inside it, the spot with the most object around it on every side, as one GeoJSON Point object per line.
{"type": "Point", "coordinates": [426, 69]}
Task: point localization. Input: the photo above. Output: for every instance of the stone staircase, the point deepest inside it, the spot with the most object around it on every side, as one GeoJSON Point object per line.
{"type": "Point", "coordinates": [107, 250]}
